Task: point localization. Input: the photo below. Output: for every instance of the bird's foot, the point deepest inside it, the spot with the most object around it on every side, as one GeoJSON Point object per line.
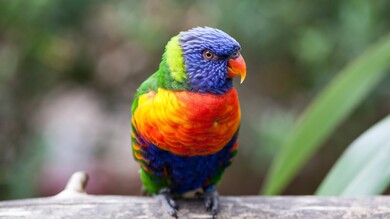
{"type": "Point", "coordinates": [211, 199]}
{"type": "Point", "coordinates": [167, 202]}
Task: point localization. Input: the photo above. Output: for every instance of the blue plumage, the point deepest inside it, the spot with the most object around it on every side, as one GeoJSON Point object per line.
{"type": "Point", "coordinates": [208, 76]}
{"type": "Point", "coordinates": [187, 173]}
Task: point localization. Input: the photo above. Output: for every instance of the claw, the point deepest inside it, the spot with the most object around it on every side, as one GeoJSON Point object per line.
{"type": "Point", "coordinates": [211, 200]}
{"type": "Point", "coordinates": [173, 204]}
{"type": "Point", "coordinates": [167, 202]}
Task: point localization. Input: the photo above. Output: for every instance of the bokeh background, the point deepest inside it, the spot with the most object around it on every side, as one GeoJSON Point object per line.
{"type": "Point", "coordinates": [69, 70]}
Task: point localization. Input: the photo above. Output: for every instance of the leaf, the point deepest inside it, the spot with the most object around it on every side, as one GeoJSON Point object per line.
{"type": "Point", "coordinates": [364, 168]}
{"type": "Point", "coordinates": [326, 112]}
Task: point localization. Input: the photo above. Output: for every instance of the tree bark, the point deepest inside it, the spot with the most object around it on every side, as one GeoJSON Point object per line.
{"type": "Point", "coordinates": [73, 202]}
{"type": "Point", "coordinates": [94, 207]}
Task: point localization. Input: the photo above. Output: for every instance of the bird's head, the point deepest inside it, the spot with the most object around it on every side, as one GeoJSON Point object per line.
{"type": "Point", "coordinates": [202, 59]}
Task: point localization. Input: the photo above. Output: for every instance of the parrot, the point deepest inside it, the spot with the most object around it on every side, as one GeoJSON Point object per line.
{"type": "Point", "coordinates": [186, 117]}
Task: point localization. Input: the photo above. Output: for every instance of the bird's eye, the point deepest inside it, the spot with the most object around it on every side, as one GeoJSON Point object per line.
{"type": "Point", "coordinates": [235, 54]}
{"type": "Point", "coordinates": [207, 54]}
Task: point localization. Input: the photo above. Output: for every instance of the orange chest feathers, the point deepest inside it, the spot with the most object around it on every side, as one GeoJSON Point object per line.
{"type": "Point", "coordinates": [187, 123]}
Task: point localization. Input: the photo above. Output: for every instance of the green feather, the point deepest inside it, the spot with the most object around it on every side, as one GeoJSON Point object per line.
{"type": "Point", "coordinates": [146, 86]}
{"type": "Point", "coordinates": [152, 184]}
{"type": "Point", "coordinates": [175, 60]}
{"type": "Point", "coordinates": [171, 74]}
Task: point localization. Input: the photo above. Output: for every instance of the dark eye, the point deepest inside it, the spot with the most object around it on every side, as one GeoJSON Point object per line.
{"type": "Point", "coordinates": [235, 54]}
{"type": "Point", "coordinates": [207, 54]}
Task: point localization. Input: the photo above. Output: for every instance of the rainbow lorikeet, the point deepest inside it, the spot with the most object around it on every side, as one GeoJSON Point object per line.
{"type": "Point", "coordinates": [186, 116]}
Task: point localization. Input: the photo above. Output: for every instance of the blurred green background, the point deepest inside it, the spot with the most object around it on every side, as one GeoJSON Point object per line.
{"type": "Point", "coordinates": [69, 70]}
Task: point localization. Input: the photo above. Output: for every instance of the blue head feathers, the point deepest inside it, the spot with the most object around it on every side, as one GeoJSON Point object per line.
{"type": "Point", "coordinates": [206, 52]}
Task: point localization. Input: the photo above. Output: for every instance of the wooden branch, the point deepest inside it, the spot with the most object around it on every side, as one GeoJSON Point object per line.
{"type": "Point", "coordinates": [73, 202]}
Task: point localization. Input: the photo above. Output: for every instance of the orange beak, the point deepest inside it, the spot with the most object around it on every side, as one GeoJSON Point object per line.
{"type": "Point", "coordinates": [237, 67]}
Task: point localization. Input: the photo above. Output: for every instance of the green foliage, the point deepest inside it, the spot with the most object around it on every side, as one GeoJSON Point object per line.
{"type": "Point", "coordinates": [326, 112]}
{"type": "Point", "coordinates": [364, 168]}
{"type": "Point", "coordinates": [272, 134]}
{"type": "Point", "coordinates": [26, 171]}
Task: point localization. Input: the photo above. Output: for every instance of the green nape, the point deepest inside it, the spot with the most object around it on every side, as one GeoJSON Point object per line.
{"type": "Point", "coordinates": [175, 59]}
{"type": "Point", "coordinates": [172, 73]}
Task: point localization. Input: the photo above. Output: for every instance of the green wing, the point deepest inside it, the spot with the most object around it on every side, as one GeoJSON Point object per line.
{"type": "Point", "coordinates": [150, 84]}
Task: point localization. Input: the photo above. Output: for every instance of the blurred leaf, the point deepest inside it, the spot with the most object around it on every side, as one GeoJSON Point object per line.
{"type": "Point", "coordinates": [364, 168]}
{"type": "Point", "coordinates": [25, 175]}
{"type": "Point", "coordinates": [270, 133]}
{"type": "Point", "coordinates": [327, 111]}
{"type": "Point", "coordinates": [9, 59]}
{"type": "Point", "coordinates": [313, 46]}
